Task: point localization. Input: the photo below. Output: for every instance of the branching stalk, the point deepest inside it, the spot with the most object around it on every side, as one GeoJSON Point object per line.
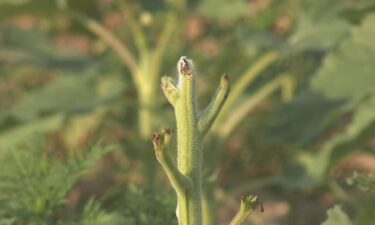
{"type": "Point", "coordinates": [119, 47]}
{"type": "Point", "coordinates": [235, 118]}
{"type": "Point", "coordinates": [186, 177]}
{"type": "Point", "coordinates": [248, 204]}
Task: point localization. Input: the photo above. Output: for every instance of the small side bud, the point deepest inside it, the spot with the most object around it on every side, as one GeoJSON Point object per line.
{"type": "Point", "coordinates": [156, 140]}
{"type": "Point", "coordinates": [170, 90]}
{"type": "Point", "coordinates": [248, 204]}
{"type": "Point", "coordinates": [251, 202]}
{"type": "Point", "coordinates": [167, 133]}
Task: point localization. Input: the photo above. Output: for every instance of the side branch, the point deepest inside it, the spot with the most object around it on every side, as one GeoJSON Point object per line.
{"type": "Point", "coordinates": [212, 111]}
{"type": "Point", "coordinates": [179, 181]}
{"type": "Point", "coordinates": [122, 51]}
{"type": "Point", "coordinates": [138, 34]}
{"type": "Point", "coordinates": [239, 87]}
{"type": "Point", "coordinates": [249, 104]}
{"type": "Point", "coordinates": [248, 204]}
{"type": "Point", "coordinates": [170, 89]}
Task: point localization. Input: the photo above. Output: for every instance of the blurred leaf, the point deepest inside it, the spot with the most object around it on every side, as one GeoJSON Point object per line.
{"type": "Point", "coordinates": [358, 10]}
{"type": "Point", "coordinates": [223, 10]}
{"type": "Point", "coordinates": [80, 126]}
{"type": "Point", "coordinates": [346, 76]}
{"type": "Point", "coordinates": [345, 83]}
{"type": "Point", "coordinates": [302, 120]}
{"type": "Point", "coordinates": [13, 2]}
{"type": "Point", "coordinates": [252, 41]}
{"type": "Point", "coordinates": [317, 35]}
{"type": "Point", "coordinates": [349, 71]}
{"type": "Point", "coordinates": [11, 8]}
{"type": "Point", "coordinates": [34, 183]}
{"type": "Point", "coordinates": [93, 215]}
{"type": "Point", "coordinates": [337, 217]}
{"type": "Point", "coordinates": [144, 207]}
{"type": "Point", "coordinates": [15, 135]}
{"type": "Point", "coordinates": [44, 8]}
{"type": "Point", "coordinates": [358, 133]}
{"type": "Point", "coordinates": [313, 167]}
{"type": "Point", "coordinates": [65, 94]}
{"type": "Point", "coordinates": [32, 47]}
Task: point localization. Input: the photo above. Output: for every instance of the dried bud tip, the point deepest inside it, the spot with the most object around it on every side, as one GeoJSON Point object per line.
{"type": "Point", "coordinates": [226, 77]}
{"type": "Point", "coordinates": [167, 131]}
{"type": "Point", "coordinates": [156, 139]}
{"type": "Point", "coordinates": [185, 66]}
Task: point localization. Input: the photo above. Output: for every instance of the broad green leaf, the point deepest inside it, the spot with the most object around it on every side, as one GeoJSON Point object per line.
{"type": "Point", "coordinates": [346, 76]}
{"type": "Point", "coordinates": [347, 79]}
{"type": "Point", "coordinates": [23, 47]}
{"type": "Point", "coordinates": [304, 118]}
{"type": "Point", "coordinates": [317, 35]}
{"type": "Point", "coordinates": [223, 10]}
{"type": "Point", "coordinates": [313, 167]}
{"type": "Point", "coordinates": [65, 94]}
{"type": "Point", "coordinates": [337, 217]}
{"type": "Point", "coordinates": [358, 133]}
{"type": "Point", "coordinates": [349, 71]}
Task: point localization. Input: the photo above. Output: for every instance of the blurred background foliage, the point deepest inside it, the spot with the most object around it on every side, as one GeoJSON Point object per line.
{"type": "Point", "coordinates": [298, 128]}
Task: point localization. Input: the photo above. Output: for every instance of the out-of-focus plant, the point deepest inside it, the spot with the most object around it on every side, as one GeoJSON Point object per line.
{"type": "Point", "coordinates": [34, 184]}
{"type": "Point", "coordinates": [145, 65]}
{"type": "Point", "coordinates": [365, 182]}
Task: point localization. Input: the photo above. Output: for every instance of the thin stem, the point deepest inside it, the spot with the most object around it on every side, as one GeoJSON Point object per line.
{"type": "Point", "coordinates": [120, 48]}
{"type": "Point", "coordinates": [242, 111]}
{"type": "Point", "coordinates": [212, 111]}
{"type": "Point", "coordinates": [249, 76]}
{"type": "Point", "coordinates": [248, 204]}
{"type": "Point", "coordinates": [137, 32]}
{"type": "Point", "coordinates": [162, 43]}
{"type": "Point", "coordinates": [179, 181]}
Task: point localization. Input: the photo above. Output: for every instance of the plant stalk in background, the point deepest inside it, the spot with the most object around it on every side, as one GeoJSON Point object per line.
{"type": "Point", "coordinates": [145, 68]}
{"type": "Point", "coordinates": [192, 126]}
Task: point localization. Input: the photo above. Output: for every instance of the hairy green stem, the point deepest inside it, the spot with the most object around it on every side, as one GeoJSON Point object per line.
{"type": "Point", "coordinates": [186, 176]}
{"type": "Point", "coordinates": [188, 143]}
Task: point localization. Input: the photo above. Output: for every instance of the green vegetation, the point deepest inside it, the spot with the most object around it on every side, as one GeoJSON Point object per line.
{"type": "Point", "coordinates": [296, 130]}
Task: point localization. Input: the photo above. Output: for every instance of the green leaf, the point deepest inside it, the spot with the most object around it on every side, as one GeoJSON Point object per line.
{"type": "Point", "coordinates": [93, 215]}
{"type": "Point", "coordinates": [348, 72]}
{"type": "Point", "coordinates": [357, 134]}
{"type": "Point", "coordinates": [65, 94]}
{"type": "Point", "coordinates": [32, 47]}
{"type": "Point", "coordinates": [317, 35]}
{"type": "Point", "coordinates": [13, 2]}
{"type": "Point", "coordinates": [344, 85]}
{"type": "Point", "coordinates": [302, 120]}
{"type": "Point", "coordinates": [337, 217]}
{"type": "Point", "coordinates": [223, 10]}
{"type": "Point", "coordinates": [34, 183]}
{"type": "Point", "coordinates": [17, 134]}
